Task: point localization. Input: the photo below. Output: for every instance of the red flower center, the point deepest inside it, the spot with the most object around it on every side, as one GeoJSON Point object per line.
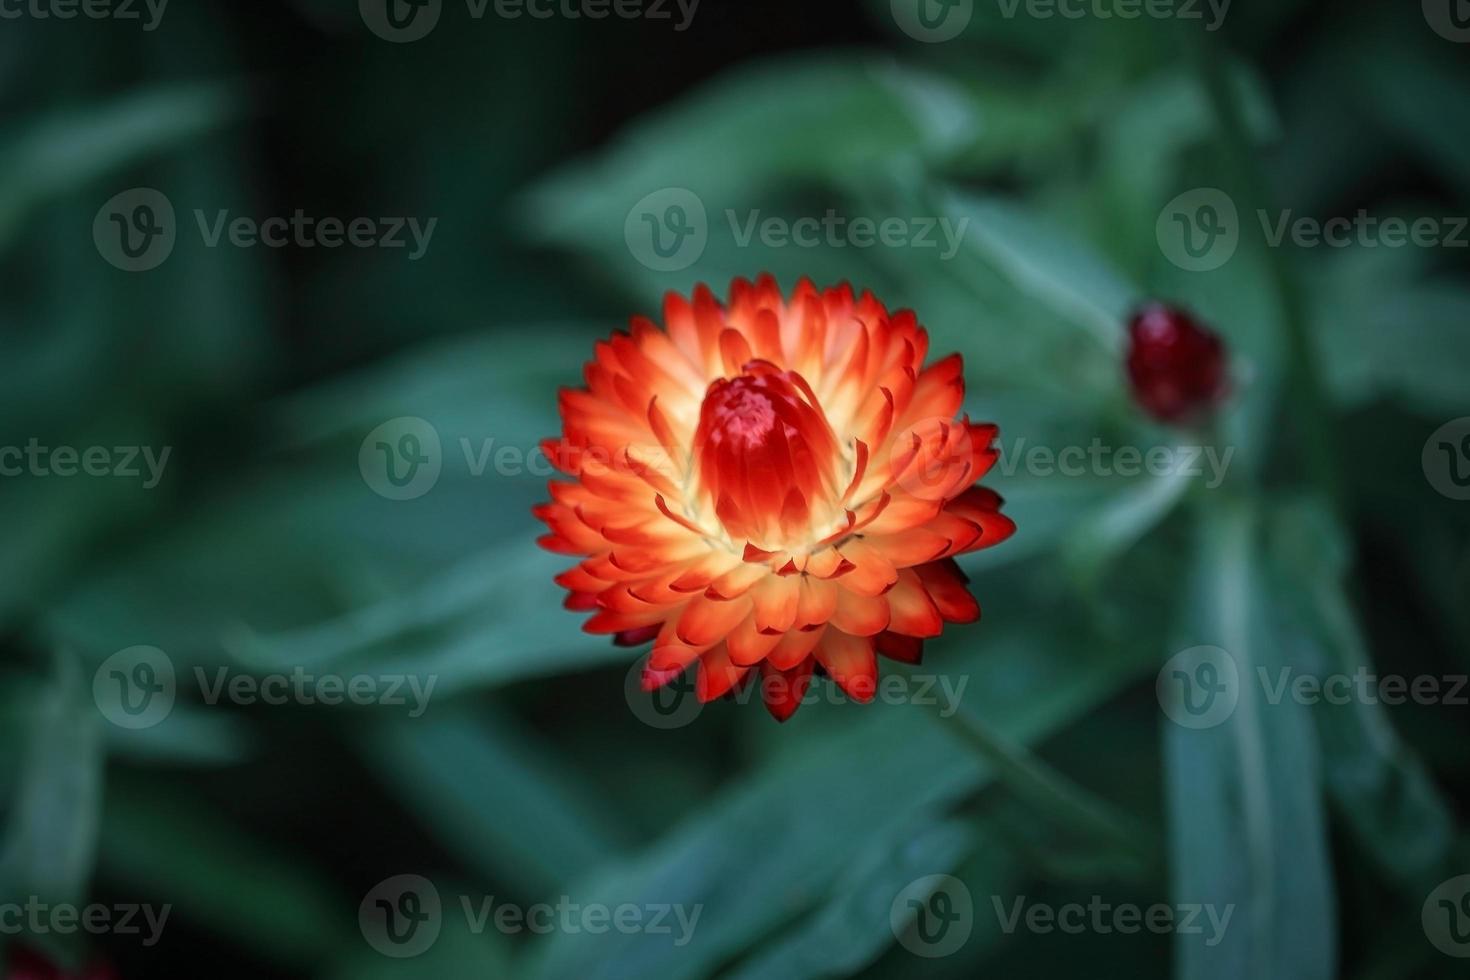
{"type": "Point", "coordinates": [767, 457]}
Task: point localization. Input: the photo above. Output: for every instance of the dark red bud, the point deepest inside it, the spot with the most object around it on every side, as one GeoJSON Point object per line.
{"type": "Point", "coordinates": [1177, 367]}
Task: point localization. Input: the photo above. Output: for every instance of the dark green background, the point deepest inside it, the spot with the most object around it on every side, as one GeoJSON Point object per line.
{"type": "Point", "coordinates": [529, 777]}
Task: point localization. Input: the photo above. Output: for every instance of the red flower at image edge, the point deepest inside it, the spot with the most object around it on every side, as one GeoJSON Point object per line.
{"type": "Point", "coordinates": [774, 484]}
{"type": "Point", "coordinates": [24, 963]}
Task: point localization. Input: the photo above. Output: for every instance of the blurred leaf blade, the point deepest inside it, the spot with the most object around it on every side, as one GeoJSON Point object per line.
{"type": "Point", "coordinates": [1247, 831]}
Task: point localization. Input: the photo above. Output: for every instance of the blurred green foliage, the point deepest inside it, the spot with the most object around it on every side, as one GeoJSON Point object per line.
{"type": "Point", "coordinates": [264, 550]}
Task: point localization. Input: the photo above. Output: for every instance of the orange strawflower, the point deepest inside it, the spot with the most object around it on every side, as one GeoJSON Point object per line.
{"type": "Point", "coordinates": [774, 484]}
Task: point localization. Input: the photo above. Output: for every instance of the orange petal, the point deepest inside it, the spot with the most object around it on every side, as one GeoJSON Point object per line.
{"type": "Point", "coordinates": [705, 621]}
{"type": "Point", "coordinates": [782, 690]}
{"type": "Point", "coordinates": [748, 645]}
{"type": "Point", "coordinates": [815, 604]}
{"type": "Point", "coordinates": [913, 612]}
{"type": "Point", "coordinates": [850, 661]}
{"type": "Point", "coordinates": [872, 574]}
{"type": "Point", "coordinates": [775, 603]}
{"type": "Point", "coordinates": [946, 586]}
{"type": "Point", "coordinates": [717, 674]}
{"type": "Point", "coordinates": [858, 614]}
{"type": "Point", "coordinates": [795, 647]}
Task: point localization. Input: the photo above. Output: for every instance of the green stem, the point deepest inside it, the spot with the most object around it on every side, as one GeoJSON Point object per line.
{"type": "Point", "coordinates": [1043, 787]}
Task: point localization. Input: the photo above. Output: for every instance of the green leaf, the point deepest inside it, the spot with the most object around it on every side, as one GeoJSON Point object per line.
{"type": "Point", "coordinates": [1380, 788]}
{"type": "Point", "coordinates": [490, 621]}
{"type": "Point", "coordinates": [1048, 265]}
{"type": "Point", "coordinates": [68, 150]}
{"type": "Point", "coordinates": [459, 953]}
{"type": "Point", "coordinates": [771, 847]}
{"type": "Point", "coordinates": [169, 849]}
{"type": "Point", "coordinates": [1385, 329]}
{"type": "Point", "coordinates": [189, 737]}
{"type": "Point", "coordinates": [842, 117]}
{"type": "Point", "coordinates": [52, 821]}
{"type": "Point", "coordinates": [1247, 831]}
{"type": "Point", "coordinates": [854, 926]}
{"type": "Point", "coordinates": [519, 793]}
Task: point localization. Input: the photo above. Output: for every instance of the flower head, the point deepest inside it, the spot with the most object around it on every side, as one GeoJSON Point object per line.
{"type": "Point", "coordinates": [774, 485]}
{"type": "Point", "coordinates": [1176, 365]}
